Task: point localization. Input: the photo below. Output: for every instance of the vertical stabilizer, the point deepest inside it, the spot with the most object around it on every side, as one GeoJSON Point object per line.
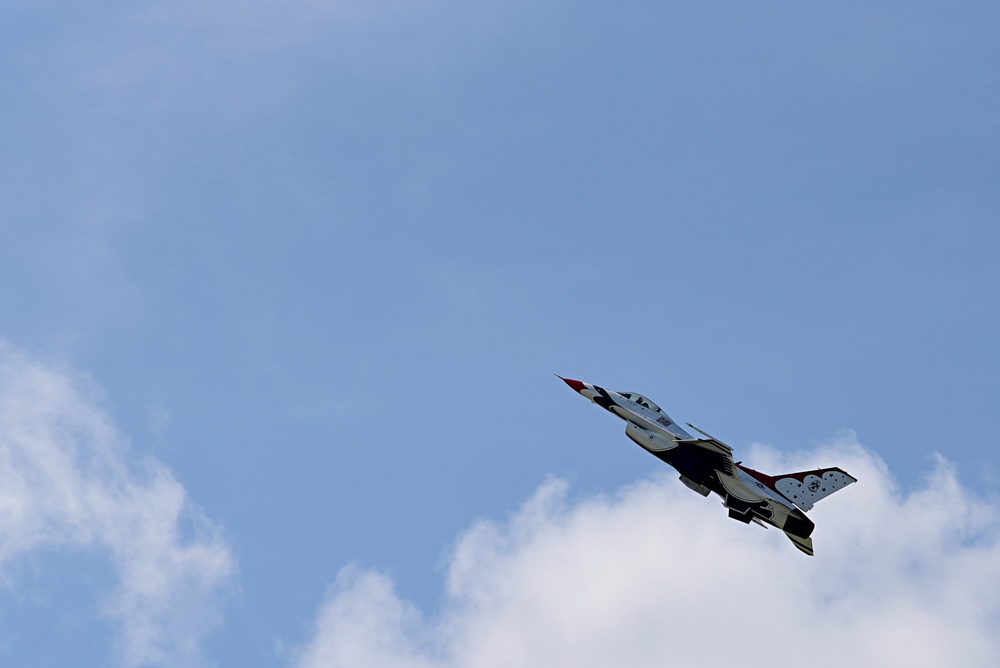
{"type": "Point", "coordinates": [805, 488]}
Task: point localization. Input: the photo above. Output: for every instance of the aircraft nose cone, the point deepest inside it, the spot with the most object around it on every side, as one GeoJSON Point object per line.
{"type": "Point", "coordinates": [575, 384]}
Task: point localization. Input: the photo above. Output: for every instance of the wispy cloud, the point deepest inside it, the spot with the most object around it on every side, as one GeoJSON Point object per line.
{"type": "Point", "coordinates": [658, 576]}
{"type": "Point", "coordinates": [69, 482]}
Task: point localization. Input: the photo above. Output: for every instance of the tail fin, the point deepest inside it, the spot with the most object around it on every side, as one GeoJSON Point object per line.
{"type": "Point", "coordinates": [805, 488]}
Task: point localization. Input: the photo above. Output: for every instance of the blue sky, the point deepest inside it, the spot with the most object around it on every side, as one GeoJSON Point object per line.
{"type": "Point", "coordinates": [291, 281]}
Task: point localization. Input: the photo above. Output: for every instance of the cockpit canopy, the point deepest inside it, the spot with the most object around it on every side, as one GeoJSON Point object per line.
{"type": "Point", "coordinates": [641, 400]}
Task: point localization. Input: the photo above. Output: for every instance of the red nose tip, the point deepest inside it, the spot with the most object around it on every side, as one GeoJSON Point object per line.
{"type": "Point", "coordinates": [575, 384]}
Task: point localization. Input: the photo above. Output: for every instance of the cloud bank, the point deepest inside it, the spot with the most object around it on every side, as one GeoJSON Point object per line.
{"type": "Point", "coordinates": [68, 482]}
{"type": "Point", "coordinates": [658, 576]}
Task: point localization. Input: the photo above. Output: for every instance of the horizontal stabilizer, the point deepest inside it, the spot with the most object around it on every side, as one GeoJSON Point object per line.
{"type": "Point", "coordinates": [804, 544]}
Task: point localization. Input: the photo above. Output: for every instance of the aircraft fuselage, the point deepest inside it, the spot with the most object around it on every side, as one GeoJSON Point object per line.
{"type": "Point", "coordinates": [706, 466]}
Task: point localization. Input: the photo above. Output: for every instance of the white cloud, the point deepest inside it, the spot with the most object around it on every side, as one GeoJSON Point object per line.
{"type": "Point", "coordinates": [68, 482]}
{"type": "Point", "coordinates": [658, 576]}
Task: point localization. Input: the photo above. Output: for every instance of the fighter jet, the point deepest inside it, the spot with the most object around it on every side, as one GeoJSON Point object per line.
{"type": "Point", "coordinates": [706, 465]}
